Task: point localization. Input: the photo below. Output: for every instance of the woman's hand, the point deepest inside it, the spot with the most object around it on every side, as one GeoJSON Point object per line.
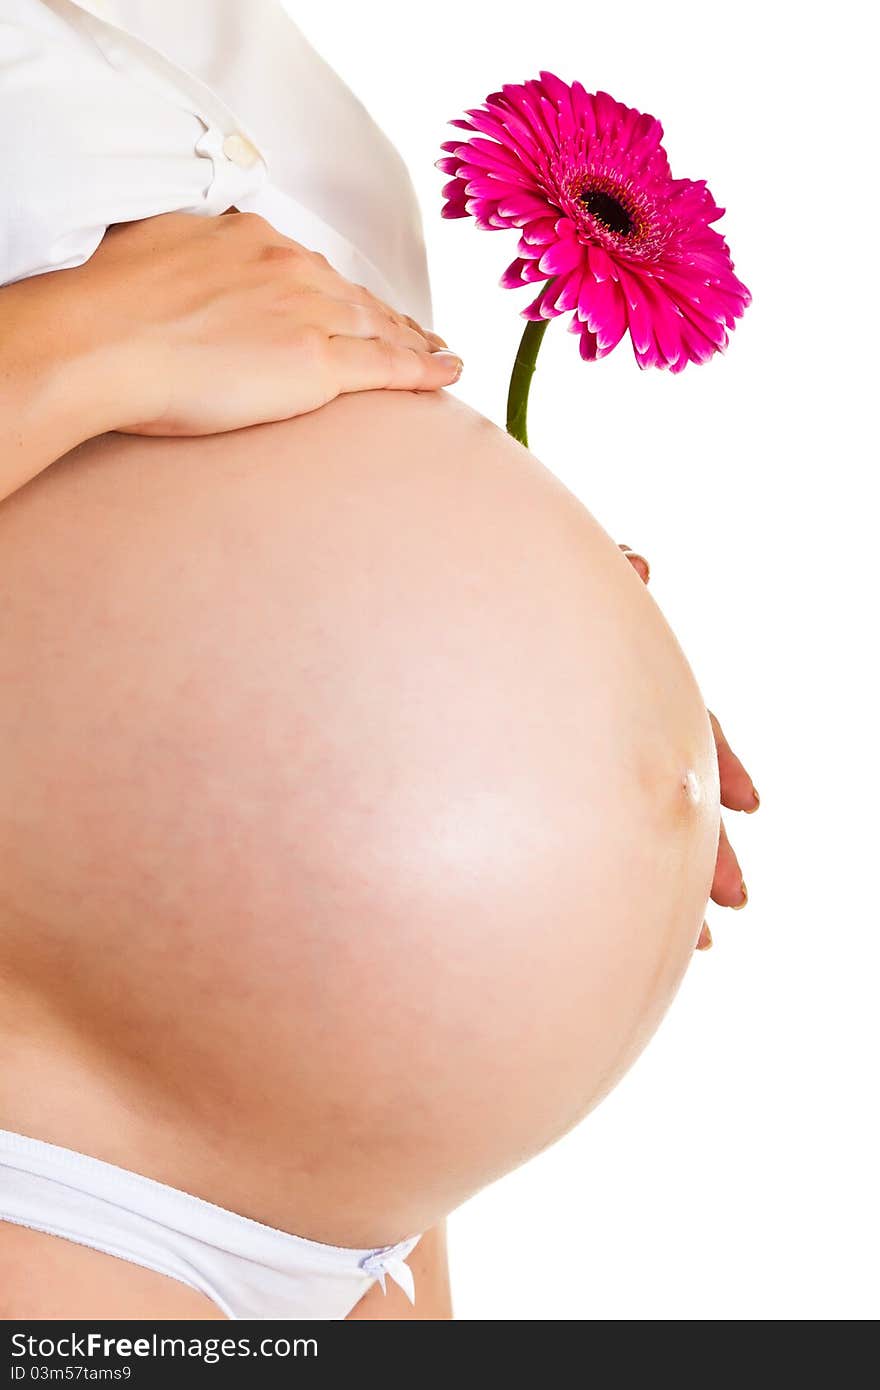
{"type": "Point", "coordinates": [223, 322]}
{"type": "Point", "coordinates": [184, 325]}
{"type": "Point", "coordinates": [737, 794]}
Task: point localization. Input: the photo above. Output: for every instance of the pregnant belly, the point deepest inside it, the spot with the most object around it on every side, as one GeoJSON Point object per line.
{"type": "Point", "coordinates": [358, 810]}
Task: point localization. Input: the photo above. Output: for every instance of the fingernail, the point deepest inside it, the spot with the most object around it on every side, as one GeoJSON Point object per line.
{"type": "Point", "coordinates": [705, 939]}
{"type": "Point", "coordinates": [757, 800]}
{"type": "Point", "coordinates": [450, 359]}
{"type": "Point", "coordinates": [737, 906]}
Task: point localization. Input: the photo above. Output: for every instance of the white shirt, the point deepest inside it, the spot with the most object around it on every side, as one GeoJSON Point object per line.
{"type": "Point", "coordinates": [116, 110]}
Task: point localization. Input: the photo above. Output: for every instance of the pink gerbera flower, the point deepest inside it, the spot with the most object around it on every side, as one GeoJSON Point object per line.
{"type": "Point", "coordinates": [615, 237]}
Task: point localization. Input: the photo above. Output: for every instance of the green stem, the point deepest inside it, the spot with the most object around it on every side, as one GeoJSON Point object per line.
{"type": "Point", "coordinates": [521, 379]}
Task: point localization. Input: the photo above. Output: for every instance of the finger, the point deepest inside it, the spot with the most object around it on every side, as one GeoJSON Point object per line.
{"type": "Point", "coordinates": [737, 789]}
{"type": "Point", "coordinates": [728, 885]}
{"type": "Point", "coordinates": [348, 320]}
{"type": "Point", "coordinates": [359, 294]}
{"type": "Point", "coordinates": [359, 364]}
{"type": "Point", "coordinates": [315, 269]}
{"type": "Point", "coordinates": [428, 333]}
{"type": "Point", "coordinates": [430, 337]}
{"type": "Point", "coordinates": [704, 940]}
{"type": "Point", "coordinates": [638, 562]}
{"type": "Point", "coordinates": [394, 314]}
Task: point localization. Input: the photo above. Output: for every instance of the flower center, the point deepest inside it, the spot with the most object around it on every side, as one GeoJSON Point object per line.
{"type": "Point", "coordinates": [609, 205]}
{"type": "Point", "coordinates": [606, 209]}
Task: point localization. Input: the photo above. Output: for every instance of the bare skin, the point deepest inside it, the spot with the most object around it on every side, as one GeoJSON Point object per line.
{"type": "Point", "coordinates": [121, 343]}
{"type": "Point", "coordinates": [737, 794]}
{"type": "Point", "coordinates": [159, 333]}
{"type": "Point", "coordinates": [358, 815]}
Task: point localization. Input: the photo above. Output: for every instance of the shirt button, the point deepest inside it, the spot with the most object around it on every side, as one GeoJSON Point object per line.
{"type": "Point", "coordinates": [240, 151]}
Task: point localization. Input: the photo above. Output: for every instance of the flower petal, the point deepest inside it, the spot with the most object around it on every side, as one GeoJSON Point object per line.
{"type": "Point", "coordinates": [589, 347]}
{"type": "Point", "coordinates": [566, 290]}
{"type": "Point", "coordinates": [667, 323]}
{"type": "Point", "coordinates": [513, 277]}
{"type": "Point", "coordinates": [601, 307]}
{"type": "Point", "coordinates": [488, 187]}
{"type": "Point", "coordinates": [562, 257]}
{"type": "Point", "coordinates": [637, 312]}
{"type": "Point", "coordinates": [533, 272]}
{"type": "Point", "coordinates": [522, 207]}
{"type": "Point", "coordinates": [543, 307]}
{"type": "Point", "coordinates": [489, 156]}
{"type": "Point", "coordinates": [539, 233]}
{"type": "Point", "coordinates": [560, 93]}
{"type": "Point", "coordinates": [601, 264]}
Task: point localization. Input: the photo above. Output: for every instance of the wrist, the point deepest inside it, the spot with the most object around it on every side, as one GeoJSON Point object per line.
{"type": "Point", "coordinates": [87, 376]}
{"type": "Point", "coordinates": [61, 382]}
{"type": "Point", "coordinates": [54, 367]}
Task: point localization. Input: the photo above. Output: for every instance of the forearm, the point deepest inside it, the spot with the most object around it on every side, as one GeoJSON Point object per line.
{"type": "Point", "coordinates": [55, 380]}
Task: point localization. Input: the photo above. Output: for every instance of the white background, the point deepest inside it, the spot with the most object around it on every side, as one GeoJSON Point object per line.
{"type": "Point", "coordinates": [733, 1173]}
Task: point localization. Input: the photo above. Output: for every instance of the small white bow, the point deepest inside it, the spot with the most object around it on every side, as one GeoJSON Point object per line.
{"type": "Point", "coordinates": [389, 1262]}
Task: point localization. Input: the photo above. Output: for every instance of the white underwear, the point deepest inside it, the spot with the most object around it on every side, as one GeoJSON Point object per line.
{"type": "Point", "coordinates": [247, 1269]}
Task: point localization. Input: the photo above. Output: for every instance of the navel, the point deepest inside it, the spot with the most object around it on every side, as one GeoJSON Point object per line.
{"type": "Point", "coordinates": [693, 789]}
